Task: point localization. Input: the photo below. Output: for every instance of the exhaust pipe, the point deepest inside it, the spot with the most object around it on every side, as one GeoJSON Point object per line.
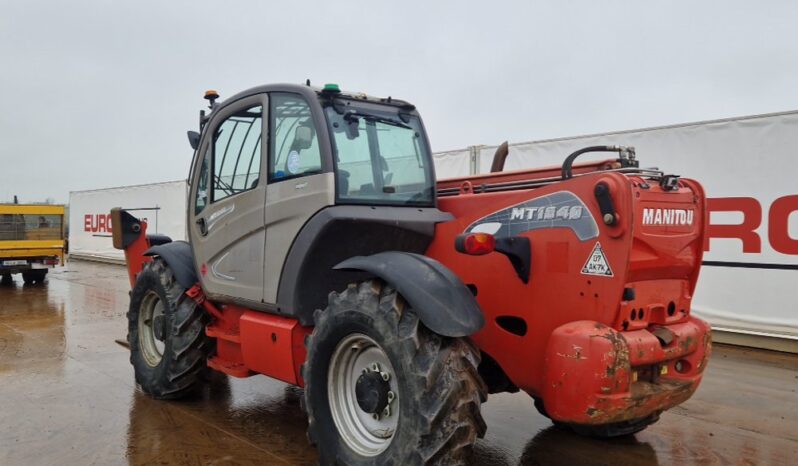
{"type": "Point", "coordinates": [499, 157]}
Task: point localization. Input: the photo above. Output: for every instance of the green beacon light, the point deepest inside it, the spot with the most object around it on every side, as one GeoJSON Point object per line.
{"type": "Point", "coordinates": [331, 88]}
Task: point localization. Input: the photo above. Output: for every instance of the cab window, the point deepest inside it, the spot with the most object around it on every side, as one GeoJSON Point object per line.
{"type": "Point", "coordinates": [201, 199]}
{"type": "Point", "coordinates": [381, 157]}
{"type": "Point", "coordinates": [236, 154]}
{"type": "Point", "coordinates": [294, 147]}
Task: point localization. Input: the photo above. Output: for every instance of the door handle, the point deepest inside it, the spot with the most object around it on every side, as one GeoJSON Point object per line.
{"type": "Point", "coordinates": [203, 228]}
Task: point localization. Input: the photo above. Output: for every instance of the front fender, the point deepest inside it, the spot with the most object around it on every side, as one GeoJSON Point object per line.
{"type": "Point", "coordinates": [441, 300]}
{"type": "Point", "coordinates": [180, 258]}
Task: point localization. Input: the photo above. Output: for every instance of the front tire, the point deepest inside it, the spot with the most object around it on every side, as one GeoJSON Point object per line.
{"type": "Point", "coordinates": [382, 389]}
{"type": "Point", "coordinates": [166, 334]}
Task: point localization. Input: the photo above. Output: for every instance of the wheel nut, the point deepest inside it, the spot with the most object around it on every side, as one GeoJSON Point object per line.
{"type": "Point", "coordinates": [376, 416]}
{"type": "Point", "coordinates": [375, 367]}
{"type": "Point", "coordinates": [385, 376]}
{"type": "Point", "coordinates": [391, 396]}
{"type": "Point", "coordinates": [386, 411]}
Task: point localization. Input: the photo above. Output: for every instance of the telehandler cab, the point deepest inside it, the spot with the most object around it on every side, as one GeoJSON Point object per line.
{"type": "Point", "coordinates": [323, 253]}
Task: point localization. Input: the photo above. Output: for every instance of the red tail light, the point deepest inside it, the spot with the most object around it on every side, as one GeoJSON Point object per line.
{"type": "Point", "coordinates": [475, 244]}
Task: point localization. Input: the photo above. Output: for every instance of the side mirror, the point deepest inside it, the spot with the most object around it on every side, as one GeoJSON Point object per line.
{"type": "Point", "coordinates": [193, 139]}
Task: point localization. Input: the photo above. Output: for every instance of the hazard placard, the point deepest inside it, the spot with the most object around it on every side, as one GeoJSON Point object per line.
{"type": "Point", "coordinates": [597, 263]}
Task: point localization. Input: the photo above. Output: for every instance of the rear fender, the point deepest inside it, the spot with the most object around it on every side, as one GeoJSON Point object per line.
{"type": "Point", "coordinates": [441, 300]}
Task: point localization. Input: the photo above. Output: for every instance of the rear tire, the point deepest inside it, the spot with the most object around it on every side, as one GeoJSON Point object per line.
{"type": "Point", "coordinates": [435, 389]}
{"type": "Point", "coordinates": [166, 334]}
{"type": "Point", "coordinates": [34, 276]}
{"type": "Point", "coordinates": [6, 279]}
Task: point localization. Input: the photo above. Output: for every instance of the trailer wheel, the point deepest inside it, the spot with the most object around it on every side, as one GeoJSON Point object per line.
{"type": "Point", "coordinates": [6, 279]}
{"type": "Point", "coordinates": [381, 388]}
{"type": "Point", "coordinates": [34, 276]}
{"type": "Point", "coordinates": [166, 334]}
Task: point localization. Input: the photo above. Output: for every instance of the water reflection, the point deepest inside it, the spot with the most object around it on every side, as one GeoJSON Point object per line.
{"type": "Point", "coordinates": [251, 421]}
{"type": "Point", "coordinates": [556, 445]}
{"type": "Point", "coordinates": [83, 408]}
{"type": "Point", "coordinates": [32, 324]}
{"type": "Point", "coordinates": [163, 432]}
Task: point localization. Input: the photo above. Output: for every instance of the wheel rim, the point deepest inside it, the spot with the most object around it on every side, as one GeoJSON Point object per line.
{"type": "Point", "coordinates": [357, 357]}
{"type": "Point", "coordinates": [151, 341]}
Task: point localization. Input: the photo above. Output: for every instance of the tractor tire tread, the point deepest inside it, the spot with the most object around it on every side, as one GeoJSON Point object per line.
{"type": "Point", "coordinates": [183, 364]}
{"type": "Point", "coordinates": [448, 390]}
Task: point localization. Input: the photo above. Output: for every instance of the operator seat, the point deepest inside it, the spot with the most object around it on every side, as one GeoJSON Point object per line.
{"type": "Point", "coordinates": [343, 182]}
{"type": "Point", "coordinates": [343, 178]}
{"type": "Point", "coordinates": [369, 188]}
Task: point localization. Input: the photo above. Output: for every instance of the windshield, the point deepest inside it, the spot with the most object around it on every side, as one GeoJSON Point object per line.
{"type": "Point", "coordinates": [380, 156]}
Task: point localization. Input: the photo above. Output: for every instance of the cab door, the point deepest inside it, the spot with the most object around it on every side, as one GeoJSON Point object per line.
{"type": "Point", "coordinates": [300, 183]}
{"type": "Point", "coordinates": [227, 202]}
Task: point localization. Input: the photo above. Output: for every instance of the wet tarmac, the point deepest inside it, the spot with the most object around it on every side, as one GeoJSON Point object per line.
{"type": "Point", "coordinates": [67, 397]}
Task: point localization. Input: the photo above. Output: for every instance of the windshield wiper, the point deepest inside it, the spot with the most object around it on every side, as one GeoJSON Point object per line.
{"type": "Point", "coordinates": [350, 114]}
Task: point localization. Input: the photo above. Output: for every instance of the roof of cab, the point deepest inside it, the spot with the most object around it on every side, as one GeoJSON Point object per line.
{"type": "Point", "coordinates": [313, 91]}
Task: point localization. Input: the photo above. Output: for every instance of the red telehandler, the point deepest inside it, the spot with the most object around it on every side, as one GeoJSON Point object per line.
{"type": "Point", "coordinates": [322, 252]}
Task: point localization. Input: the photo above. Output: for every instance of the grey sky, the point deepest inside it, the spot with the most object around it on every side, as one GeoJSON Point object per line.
{"type": "Point", "coordinates": [100, 94]}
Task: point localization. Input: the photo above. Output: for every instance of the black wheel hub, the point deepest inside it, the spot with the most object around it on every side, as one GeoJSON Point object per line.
{"type": "Point", "coordinates": [158, 328]}
{"type": "Point", "coordinates": [371, 392]}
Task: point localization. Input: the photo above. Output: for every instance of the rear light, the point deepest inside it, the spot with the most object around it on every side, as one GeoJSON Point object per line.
{"type": "Point", "coordinates": [50, 262]}
{"type": "Point", "coordinates": [475, 244]}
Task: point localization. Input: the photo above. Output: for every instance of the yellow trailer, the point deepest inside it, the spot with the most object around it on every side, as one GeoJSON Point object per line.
{"type": "Point", "coordinates": [31, 240]}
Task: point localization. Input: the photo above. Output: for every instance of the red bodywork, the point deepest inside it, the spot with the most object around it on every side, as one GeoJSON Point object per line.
{"type": "Point", "coordinates": [588, 353]}
{"type": "Point", "coordinates": [250, 342]}
{"type": "Point", "coordinates": [134, 254]}
{"type": "Point", "coordinates": [590, 350]}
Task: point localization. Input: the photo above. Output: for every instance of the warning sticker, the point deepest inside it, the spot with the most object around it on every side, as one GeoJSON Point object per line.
{"type": "Point", "coordinates": [597, 263]}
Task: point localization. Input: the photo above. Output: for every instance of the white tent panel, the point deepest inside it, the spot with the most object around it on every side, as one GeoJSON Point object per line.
{"type": "Point", "coordinates": [163, 205]}
{"type": "Point", "coordinates": [452, 164]}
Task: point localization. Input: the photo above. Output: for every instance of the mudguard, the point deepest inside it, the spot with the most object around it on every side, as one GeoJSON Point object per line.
{"type": "Point", "coordinates": [179, 257]}
{"type": "Point", "coordinates": [441, 300]}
